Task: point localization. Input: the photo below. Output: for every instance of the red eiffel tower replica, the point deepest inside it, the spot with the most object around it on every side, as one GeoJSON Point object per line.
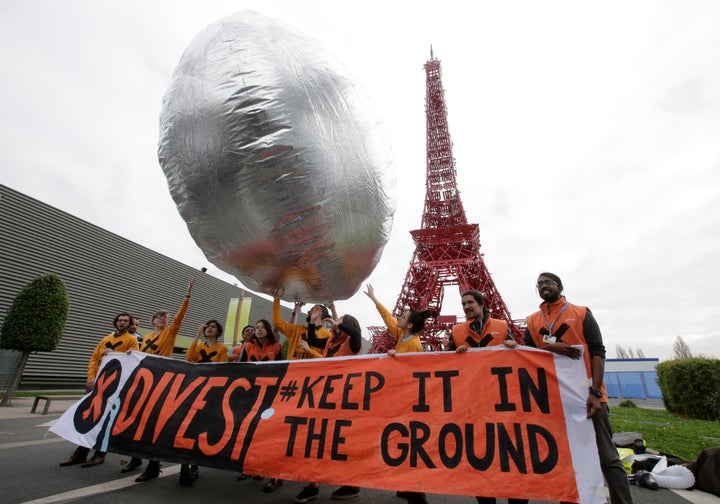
{"type": "Point", "coordinates": [447, 248]}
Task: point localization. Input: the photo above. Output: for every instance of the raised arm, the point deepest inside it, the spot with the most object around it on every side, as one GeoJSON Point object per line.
{"type": "Point", "coordinates": [194, 352]}
{"type": "Point", "coordinates": [387, 317]}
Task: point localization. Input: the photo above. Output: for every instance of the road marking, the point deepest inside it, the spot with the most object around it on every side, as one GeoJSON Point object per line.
{"type": "Point", "coordinates": [110, 486]}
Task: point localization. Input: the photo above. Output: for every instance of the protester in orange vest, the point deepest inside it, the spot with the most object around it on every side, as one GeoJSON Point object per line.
{"type": "Point", "coordinates": [237, 354]}
{"type": "Point", "coordinates": [346, 337]}
{"type": "Point", "coordinates": [478, 331]}
{"type": "Point", "coordinates": [264, 346]}
{"type": "Point", "coordinates": [561, 327]}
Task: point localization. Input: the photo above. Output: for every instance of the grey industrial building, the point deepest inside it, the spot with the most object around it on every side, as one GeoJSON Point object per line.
{"type": "Point", "coordinates": [104, 274]}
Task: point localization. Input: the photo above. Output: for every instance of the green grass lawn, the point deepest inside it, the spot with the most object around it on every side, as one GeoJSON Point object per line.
{"type": "Point", "coordinates": [665, 432]}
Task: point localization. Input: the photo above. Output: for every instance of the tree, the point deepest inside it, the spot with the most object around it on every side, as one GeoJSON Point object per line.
{"type": "Point", "coordinates": [681, 350]}
{"type": "Point", "coordinates": [627, 353]}
{"type": "Point", "coordinates": [621, 352]}
{"type": "Point", "coordinates": [34, 323]}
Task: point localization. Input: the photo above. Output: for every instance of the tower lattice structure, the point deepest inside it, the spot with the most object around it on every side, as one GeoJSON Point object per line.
{"type": "Point", "coordinates": [447, 248]}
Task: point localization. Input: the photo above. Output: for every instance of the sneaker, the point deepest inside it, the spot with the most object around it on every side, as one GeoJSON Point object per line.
{"type": "Point", "coordinates": [308, 493]}
{"type": "Point", "coordinates": [403, 495]}
{"type": "Point", "coordinates": [345, 492]}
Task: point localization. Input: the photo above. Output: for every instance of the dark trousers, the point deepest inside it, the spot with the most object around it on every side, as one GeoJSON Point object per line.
{"type": "Point", "coordinates": [612, 468]}
{"type": "Point", "coordinates": [82, 451]}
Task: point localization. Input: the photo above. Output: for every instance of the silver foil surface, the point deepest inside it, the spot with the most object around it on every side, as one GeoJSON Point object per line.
{"type": "Point", "coordinates": [276, 160]}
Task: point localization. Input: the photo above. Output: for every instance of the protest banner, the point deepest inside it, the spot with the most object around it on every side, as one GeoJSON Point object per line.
{"type": "Point", "coordinates": [495, 421]}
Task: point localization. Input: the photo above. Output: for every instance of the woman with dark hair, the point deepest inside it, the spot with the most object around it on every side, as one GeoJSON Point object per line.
{"type": "Point", "coordinates": [478, 331]}
{"type": "Point", "coordinates": [265, 346]}
{"type": "Point", "coordinates": [210, 350]}
{"type": "Point", "coordinates": [406, 330]}
{"type": "Point", "coordinates": [346, 338]}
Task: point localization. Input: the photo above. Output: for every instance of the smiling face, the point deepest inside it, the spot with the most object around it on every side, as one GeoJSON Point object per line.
{"type": "Point", "coordinates": [473, 310]}
{"type": "Point", "coordinates": [160, 320]}
{"type": "Point", "coordinates": [548, 289]}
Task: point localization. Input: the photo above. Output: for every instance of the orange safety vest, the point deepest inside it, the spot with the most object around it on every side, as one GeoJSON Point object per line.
{"type": "Point", "coordinates": [567, 328]}
{"type": "Point", "coordinates": [267, 352]}
{"type": "Point", "coordinates": [494, 333]}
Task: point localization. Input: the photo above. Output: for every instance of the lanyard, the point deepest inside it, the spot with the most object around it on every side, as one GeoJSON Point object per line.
{"type": "Point", "coordinates": [549, 325]}
{"type": "Point", "coordinates": [477, 326]}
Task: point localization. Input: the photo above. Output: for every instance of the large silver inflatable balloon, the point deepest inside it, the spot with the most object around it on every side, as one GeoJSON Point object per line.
{"type": "Point", "coordinates": [276, 161]}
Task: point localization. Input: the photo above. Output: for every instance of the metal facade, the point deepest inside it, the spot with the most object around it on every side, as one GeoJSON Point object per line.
{"type": "Point", "coordinates": [105, 274]}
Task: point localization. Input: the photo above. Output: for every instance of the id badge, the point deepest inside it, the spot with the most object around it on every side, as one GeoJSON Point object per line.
{"type": "Point", "coordinates": [549, 338]}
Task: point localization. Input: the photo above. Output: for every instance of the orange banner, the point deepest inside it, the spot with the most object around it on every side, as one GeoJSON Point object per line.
{"type": "Point", "coordinates": [499, 422]}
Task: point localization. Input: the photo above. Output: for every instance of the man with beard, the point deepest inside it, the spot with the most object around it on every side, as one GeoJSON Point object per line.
{"type": "Point", "coordinates": [118, 341]}
{"type": "Point", "coordinates": [478, 331]}
{"type": "Point", "coordinates": [134, 324]}
{"type": "Point", "coordinates": [556, 327]}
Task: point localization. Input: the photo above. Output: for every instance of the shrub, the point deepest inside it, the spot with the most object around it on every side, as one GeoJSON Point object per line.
{"type": "Point", "coordinates": [36, 319]}
{"type": "Point", "coordinates": [627, 403]}
{"type": "Point", "coordinates": [691, 387]}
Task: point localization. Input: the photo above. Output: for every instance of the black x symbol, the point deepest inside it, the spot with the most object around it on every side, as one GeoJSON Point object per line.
{"type": "Point", "coordinates": [205, 357]}
{"type": "Point", "coordinates": [150, 343]}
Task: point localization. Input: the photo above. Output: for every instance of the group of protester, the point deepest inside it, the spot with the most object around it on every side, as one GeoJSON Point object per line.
{"type": "Point", "coordinates": [558, 327]}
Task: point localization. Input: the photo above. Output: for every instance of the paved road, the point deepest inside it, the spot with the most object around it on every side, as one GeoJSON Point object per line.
{"type": "Point", "coordinates": [29, 455]}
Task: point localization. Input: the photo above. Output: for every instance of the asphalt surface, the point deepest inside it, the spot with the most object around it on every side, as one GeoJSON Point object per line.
{"type": "Point", "coordinates": [29, 455]}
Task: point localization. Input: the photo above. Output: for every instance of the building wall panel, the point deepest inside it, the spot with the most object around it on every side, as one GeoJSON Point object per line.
{"type": "Point", "coordinates": [105, 274]}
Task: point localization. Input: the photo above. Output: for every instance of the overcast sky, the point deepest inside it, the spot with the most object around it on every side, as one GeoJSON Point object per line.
{"type": "Point", "coordinates": [586, 137]}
